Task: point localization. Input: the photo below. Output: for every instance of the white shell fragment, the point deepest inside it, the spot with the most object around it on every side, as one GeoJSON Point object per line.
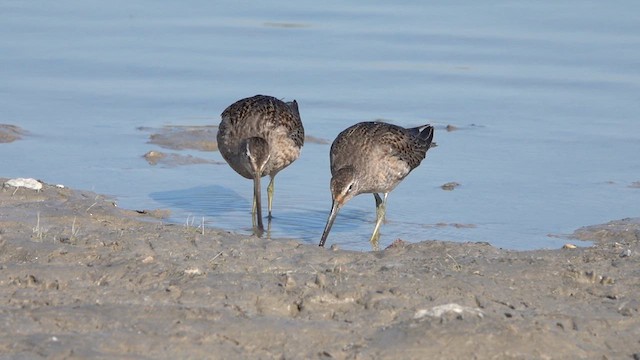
{"type": "Point", "coordinates": [32, 184]}
{"type": "Point", "coordinates": [193, 271]}
{"type": "Point", "coordinates": [440, 310]}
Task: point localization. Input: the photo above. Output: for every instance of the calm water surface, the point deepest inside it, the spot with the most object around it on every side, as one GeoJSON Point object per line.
{"type": "Point", "coordinates": [546, 96]}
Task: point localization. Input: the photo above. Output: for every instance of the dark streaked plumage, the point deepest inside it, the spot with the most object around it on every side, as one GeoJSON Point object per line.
{"type": "Point", "coordinates": [260, 136]}
{"type": "Point", "coordinates": [373, 157]}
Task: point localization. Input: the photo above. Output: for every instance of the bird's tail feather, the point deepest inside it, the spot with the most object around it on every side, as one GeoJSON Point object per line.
{"type": "Point", "coordinates": [424, 132]}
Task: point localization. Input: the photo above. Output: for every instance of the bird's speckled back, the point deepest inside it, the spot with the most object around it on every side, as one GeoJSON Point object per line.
{"type": "Point", "coordinates": [382, 154]}
{"type": "Point", "coordinates": [409, 145]}
{"type": "Point", "coordinates": [262, 116]}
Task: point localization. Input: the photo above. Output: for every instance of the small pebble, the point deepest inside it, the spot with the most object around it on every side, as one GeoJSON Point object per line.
{"type": "Point", "coordinates": [569, 246]}
{"type": "Point", "coordinates": [321, 280]}
{"type": "Point", "coordinates": [450, 186]}
{"type": "Point", "coordinates": [626, 253]}
{"type": "Point", "coordinates": [289, 281]}
{"type": "Point", "coordinates": [397, 243]}
{"type": "Point", "coordinates": [153, 157]}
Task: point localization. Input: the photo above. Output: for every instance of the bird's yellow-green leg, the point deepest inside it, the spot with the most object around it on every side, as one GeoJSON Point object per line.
{"type": "Point", "coordinates": [253, 208]}
{"type": "Point", "coordinates": [253, 213]}
{"type": "Point", "coordinates": [256, 212]}
{"type": "Point", "coordinates": [380, 212]}
{"type": "Point", "coordinates": [270, 189]}
{"type": "Point", "coordinates": [269, 228]}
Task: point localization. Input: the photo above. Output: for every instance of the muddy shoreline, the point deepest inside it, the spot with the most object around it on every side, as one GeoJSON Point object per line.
{"type": "Point", "coordinates": [82, 278]}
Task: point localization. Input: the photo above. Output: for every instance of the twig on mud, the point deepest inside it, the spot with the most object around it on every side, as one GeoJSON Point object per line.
{"type": "Point", "coordinates": [215, 257]}
{"type": "Point", "coordinates": [74, 230]}
{"type": "Point", "coordinates": [212, 262]}
{"type": "Point", "coordinates": [37, 229]}
{"type": "Point", "coordinates": [456, 266]}
{"type": "Point", "coordinates": [187, 224]}
{"type": "Point", "coordinates": [92, 205]}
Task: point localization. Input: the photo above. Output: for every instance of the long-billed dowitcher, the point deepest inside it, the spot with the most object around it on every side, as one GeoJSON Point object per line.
{"type": "Point", "coordinates": [373, 157]}
{"type": "Point", "coordinates": [260, 136]}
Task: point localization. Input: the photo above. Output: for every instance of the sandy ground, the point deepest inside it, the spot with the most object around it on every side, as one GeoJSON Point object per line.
{"type": "Point", "coordinates": [81, 278]}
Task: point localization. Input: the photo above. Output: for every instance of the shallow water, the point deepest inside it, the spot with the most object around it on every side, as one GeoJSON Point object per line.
{"type": "Point", "coordinates": [545, 96]}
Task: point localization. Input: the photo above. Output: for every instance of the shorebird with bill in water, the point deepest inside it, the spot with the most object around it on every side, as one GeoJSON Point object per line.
{"type": "Point", "coordinates": [373, 157]}
{"type": "Point", "coordinates": [260, 136]}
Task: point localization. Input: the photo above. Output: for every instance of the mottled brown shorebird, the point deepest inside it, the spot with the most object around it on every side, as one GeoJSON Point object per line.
{"type": "Point", "coordinates": [373, 157]}
{"type": "Point", "coordinates": [260, 136]}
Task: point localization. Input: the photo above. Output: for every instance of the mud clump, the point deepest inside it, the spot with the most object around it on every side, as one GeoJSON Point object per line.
{"type": "Point", "coordinates": [200, 138]}
{"type": "Point", "coordinates": [172, 159]}
{"type": "Point", "coordinates": [11, 133]}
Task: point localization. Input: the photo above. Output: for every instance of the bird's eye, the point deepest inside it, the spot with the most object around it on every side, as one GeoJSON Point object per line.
{"type": "Point", "coordinates": [350, 187]}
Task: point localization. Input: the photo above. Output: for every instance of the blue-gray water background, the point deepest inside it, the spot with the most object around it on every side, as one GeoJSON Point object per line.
{"type": "Point", "coordinates": [546, 96]}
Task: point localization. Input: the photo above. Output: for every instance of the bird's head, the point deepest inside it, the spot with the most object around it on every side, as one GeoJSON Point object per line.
{"type": "Point", "coordinates": [344, 185]}
{"type": "Point", "coordinates": [256, 154]}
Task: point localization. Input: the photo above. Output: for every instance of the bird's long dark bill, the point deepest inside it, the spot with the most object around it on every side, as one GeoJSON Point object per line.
{"type": "Point", "coordinates": [257, 198]}
{"type": "Point", "coordinates": [335, 207]}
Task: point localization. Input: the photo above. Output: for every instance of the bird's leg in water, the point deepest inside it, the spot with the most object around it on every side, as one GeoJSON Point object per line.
{"type": "Point", "coordinates": [256, 212]}
{"type": "Point", "coordinates": [270, 190]}
{"type": "Point", "coordinates": [253, 214]}
{"type": "Point", "coordinates": [380, 212]}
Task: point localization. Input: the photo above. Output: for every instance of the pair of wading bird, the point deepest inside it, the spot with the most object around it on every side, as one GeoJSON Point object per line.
{"type": "Point", "coordinates": [262, 135]}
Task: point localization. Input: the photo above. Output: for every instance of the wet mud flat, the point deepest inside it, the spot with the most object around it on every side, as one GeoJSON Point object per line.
{"type": "Point", "coordinates": [82, 278]}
